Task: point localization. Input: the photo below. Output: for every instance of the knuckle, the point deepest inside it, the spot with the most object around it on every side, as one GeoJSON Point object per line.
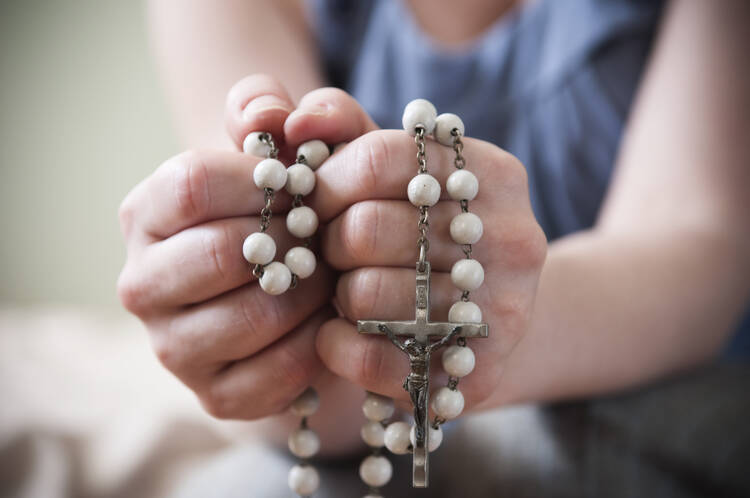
{"type": "Point", "coordinates": [190, 184]}
{"type": "Point", "coordinates": [509, 172]}
{"type": "Point", "coordinates": [484, 388]}
{"type": "Point", "coordinates": [514, 171]}
{"type": "Point", "coordinates": [524, 245]}
{"type": "Point", "coordinates": [292, 371]}
{"type": "Point", "coordinates": [371, 155]}
{"type": "Point", "coordinates": [166, 350]}
{"type": "Point", "coordinates": [132, 291]}
{"type": "Point", "coordinates": [126, 215]}
{"type": "Point", "coordinates": [371, 366]}
{"type": "Point", "coordinates": [218, 403]}
{"type": "Point", "coordinates": [359, 230]}
{"type": "Point", "coordinates": [364, 289]}
{"type": "Point", "coordinates": [259, 314]}
{"type": "Point", "coordinates": [512, 312]}
{"type": "Point", "coordinates": [220, 250]}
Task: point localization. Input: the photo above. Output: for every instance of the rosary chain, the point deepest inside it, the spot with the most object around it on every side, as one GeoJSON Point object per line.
{"type": "Point", "coordinates": [420, 141]}
{"type": "Point", "coordinates": [267, 139]}
{"type": "Point", "coordinates": [458, 147]}
{"type": "Point", "coordinates": [266, 213]}
{"type": "Point", "coordinates": [423, 243]}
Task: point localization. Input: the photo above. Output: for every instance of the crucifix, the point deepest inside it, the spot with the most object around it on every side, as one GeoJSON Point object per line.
{"type": "Point", "coordinates": [419, 348]}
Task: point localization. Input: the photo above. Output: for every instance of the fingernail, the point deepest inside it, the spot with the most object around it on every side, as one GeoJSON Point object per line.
{"type": "Point", "coordinates": [318, 110]}
{"type": "Point", "coordinates": [263, 104]}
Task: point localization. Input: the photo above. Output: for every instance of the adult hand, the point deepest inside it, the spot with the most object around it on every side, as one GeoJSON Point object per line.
{"type": "Point", "coordinates": [245, 353]}
{"type": "Point", "coordinates": [370, 235]}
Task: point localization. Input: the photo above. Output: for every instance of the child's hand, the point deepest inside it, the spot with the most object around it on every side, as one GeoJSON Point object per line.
{"type": "Point", "coordinates": [245, 353]}
{"type": "Point", "coordinates": [371, 233]}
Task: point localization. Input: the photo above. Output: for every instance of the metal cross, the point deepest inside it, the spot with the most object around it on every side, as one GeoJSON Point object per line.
{"type": "Point", "coordinates": [419, 349]}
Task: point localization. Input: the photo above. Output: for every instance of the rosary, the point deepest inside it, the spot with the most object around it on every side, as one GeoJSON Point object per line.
{"type": "Point", "coordinates": [422, 337]}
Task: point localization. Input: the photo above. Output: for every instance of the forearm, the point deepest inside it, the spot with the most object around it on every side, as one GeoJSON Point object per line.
{"type": "Point", "coordinates": [661, 281]}
{"type": "Point", "coordinates": [203, 47]}
{"type": "Point", "coordinates": [614, 312]}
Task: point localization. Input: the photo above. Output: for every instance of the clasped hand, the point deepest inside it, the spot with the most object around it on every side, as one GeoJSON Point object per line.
{"type": "Point", "coordinates": [247, 354]}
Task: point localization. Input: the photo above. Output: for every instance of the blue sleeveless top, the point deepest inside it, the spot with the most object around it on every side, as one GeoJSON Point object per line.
{"type": "Point", "coordinates": [551, 82]}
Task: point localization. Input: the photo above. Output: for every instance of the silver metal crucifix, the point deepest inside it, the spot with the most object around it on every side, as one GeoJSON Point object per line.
{"type": "Point", "coordinates": [419, 349]}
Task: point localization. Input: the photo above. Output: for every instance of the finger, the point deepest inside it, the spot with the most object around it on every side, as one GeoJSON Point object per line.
{"type": "Point", "coordinates": [257, 103]}
{"type": "Point", "coordinates": [374, 364]}
{"type": "Point", "coordinates": [327, 114]}
{"type": "Point", "coordinates": [505, 297]}
{"type": "Point", "coordinates": [266, 383]}
{"type": "Point", "coordinates": [389, 294]}
{"type": "Point", "coordinates": [195, 187]}
{"type": "Point", "coordinates": [206, 337]}
{"type": "Point", "coordinates": [380, 164]}
{"type": "Point", "coordinates": [384, 233]}
{"type": "Point", "coordinates": [195, 264]}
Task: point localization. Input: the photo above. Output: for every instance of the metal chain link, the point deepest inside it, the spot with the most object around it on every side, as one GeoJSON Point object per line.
{"type": "Point", "coordinates": [423, 243]}
{"type": "Point", "coordinates": [266, 213]}
{"type": "Point", "coordinates": [458, 146]}
{"type": "Point", "coordinates": [267, 139]}
{"type": "Point", "coordinates": [421, 158]}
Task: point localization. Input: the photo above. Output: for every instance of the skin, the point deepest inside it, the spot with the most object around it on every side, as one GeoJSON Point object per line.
{"type": "Point", "coordinates": [654, 288]}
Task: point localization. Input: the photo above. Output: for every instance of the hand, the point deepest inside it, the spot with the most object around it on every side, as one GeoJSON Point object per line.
{"type": "Point", "coordinates": [371, 237]}
{"type": "Point", "coordinates": [245, 353]}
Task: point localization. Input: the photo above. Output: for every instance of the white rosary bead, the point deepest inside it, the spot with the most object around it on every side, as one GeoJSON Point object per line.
{"type": "Point", "coordinates": [304, 479]}
{"type": "Point", "coordinates": [377, 408]}
{"type": "Point", "coordinates": [448, 403]}
{"type": "Point", "coordinates": [276, 278]}
{"type": "Point", "coordinates": [259, 248]}
{"type": "Point", "coordinates": [253, 146]}
{"type": "Point", "coordinates": [373, 434]}
{"type": "Point", "coordinates": [397, 437]}
{"type": "Point", "coordinates": [466, 228]}
{"type": "Point", "coordinates": [444, 126]}
{"type": "Point", "coordinates": [462, 185]}
{"type": "Point", "coordinates": [300, 261]}
{"type": "Point", "coordinates": [303, 443]}
{"type": "Point", "coordinates": [419, 112]}
{"type": "Point", "coordinates": [315, 153]}
{"type": "Point", "coordinates": [465, 312]}
{"type": "Point", "coordinates": [436, 437]}
{"type": "Point", "coordinates": [376, 471]}
{"type": "Point", "coordinates": [458, 361]}
{"type": "Point", "coordinates": [302, 222]}
{"type": "Point", "coordinates": [270, 173]}
{"type": "Point", "coordinates": [306, 403]}
{"type": "Point", "coordinates": [423, 190]}
{"type": "Point", "coordinates": [467, 274]}
{"type": "Point", "coordinates": [300, 179]}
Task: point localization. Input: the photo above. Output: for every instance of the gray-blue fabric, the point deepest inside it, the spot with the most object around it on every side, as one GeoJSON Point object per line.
{"type": "Point", "coordinates": [552, 83]}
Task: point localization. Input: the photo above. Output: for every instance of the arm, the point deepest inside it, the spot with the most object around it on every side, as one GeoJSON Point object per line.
{"type": "Point", "coordinates": [445, 340]}
{"type": "Point", "coordinates": [203, 47]}
{"type": "Point", "coordinates": [658, 285]}
{"type": "Point", "coordinates": [387, 331]}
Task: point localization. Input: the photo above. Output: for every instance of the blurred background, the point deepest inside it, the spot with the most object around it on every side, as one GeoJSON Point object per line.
{"type": "Point", "coordinates": [85, 409]}
{"type": "Point", "coordinates": [82, 122]}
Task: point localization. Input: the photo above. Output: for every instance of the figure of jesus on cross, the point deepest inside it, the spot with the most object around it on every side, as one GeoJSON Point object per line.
{"type": "Point", "coordinates": [419, 349]}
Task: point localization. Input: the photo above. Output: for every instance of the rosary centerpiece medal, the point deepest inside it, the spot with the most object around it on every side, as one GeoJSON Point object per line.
{"type": "Point", "coordinates": [420, 337]}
